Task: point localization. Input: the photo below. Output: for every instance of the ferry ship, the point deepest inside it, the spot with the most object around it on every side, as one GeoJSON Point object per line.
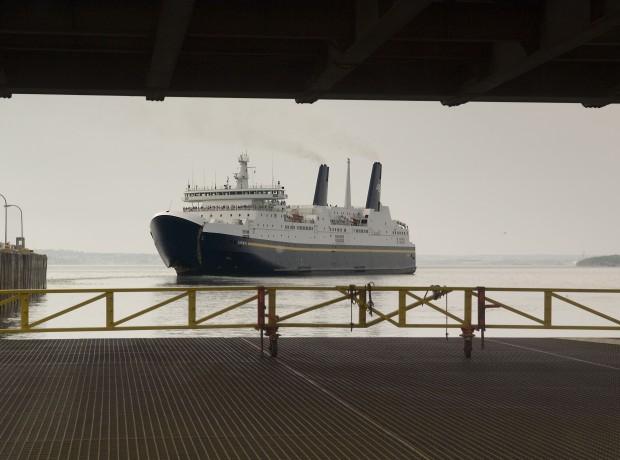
{"type": "Point", "coordinates": [251, 230]}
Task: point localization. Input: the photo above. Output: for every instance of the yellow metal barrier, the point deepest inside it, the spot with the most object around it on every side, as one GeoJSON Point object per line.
{"type": "Point", "coordinates": [272, 315]}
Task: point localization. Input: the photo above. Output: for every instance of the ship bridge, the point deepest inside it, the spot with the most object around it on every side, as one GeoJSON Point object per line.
{"type": "Point", "coordinates": [216, 194]}
{"type": "Point", "coordinates": [449, 51]}
{"type": "Point", "coordinates": [243, 196]}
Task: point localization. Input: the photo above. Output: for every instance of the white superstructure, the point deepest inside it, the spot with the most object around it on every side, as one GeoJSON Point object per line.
{"type": "Point", "coordinates": [261, 212]}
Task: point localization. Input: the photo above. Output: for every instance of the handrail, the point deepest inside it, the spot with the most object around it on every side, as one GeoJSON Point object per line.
{"type": "Point", "coordinates": [275, 313]}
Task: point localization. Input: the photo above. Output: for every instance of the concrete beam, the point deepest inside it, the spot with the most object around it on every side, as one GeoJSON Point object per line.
{"type": "Point", "coordinates": [4, 90]}
{"type": "Point", "coordinates": [174, 18]}
{"type": "Point", "coordinates": [566, 26]}
{"type": "Point", "coordinates": [612, 96]}
{"type": "Point", "coordinates": [372, 31]}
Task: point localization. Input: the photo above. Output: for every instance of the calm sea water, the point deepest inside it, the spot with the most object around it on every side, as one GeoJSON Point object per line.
{"type": "Point", "coordinates": [75, 277]}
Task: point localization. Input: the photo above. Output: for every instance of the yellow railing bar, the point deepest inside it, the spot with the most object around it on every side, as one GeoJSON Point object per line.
{"type": "Point", "coordinates": [512, 309]}
{"type": "Point", "coordinates": [393, 313]}
{"type": "Point", "coordinates": [9, 300]}
{"type": "Point", "coordinates": [24, 310]}
{"type": "Point", "coordinates": [384, 317]}
{"type": "Point", "coordinates": [191, 308]}
{"type": "Point", "coordinates": [132, 328]}
{"type": "Point", "coordinates": [435, 307]}
{"type": "Point", "coordinates": [224, 310]}
{"type": "Point", "coordinates": [146, 310]}
{"type": "Point", "coordinates": [433, 326]}
{"type": "Point", "coordinates": [467, 298]}
{"type": "Point", "coordinates": [548, 308]}
{"type": "Point", "coordinates": [518, 326]}
{"type": "Point", "coordinates": [67, 310]}
{"type": "Point", "coordinates": [154, 289]}
{"type": "Point", "coordinates": [562, 327]}
{"type": "Point", "coordinates": [109, 309]}
{"type": "Point", "coordinates": [328, 325]}
{"type": "Point", "coordinates": [347, 291]}
{"type": "Point", "coordinates": [583, 307]}
{"type": "Point", "coordinates": [296, 325]}
{"type": "Point", "coordinates": [313, 307]}
{"type": "Point", "coordinates": [402, 308]}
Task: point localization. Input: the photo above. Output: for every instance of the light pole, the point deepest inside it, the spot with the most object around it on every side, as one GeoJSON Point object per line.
{"type": "Point", "coordinates": [5, 219]}
{"type": "Point", "coordinates": [21, 217]}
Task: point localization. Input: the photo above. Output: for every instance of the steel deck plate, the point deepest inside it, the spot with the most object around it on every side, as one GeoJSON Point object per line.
{"type": "Point", "coordinates": [322, 398]}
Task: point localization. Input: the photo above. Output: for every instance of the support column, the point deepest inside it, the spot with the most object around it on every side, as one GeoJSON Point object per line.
{"type": "Point", "coordinates": [191, 308]}
{"type": "Point", "coordinates": [402, 308]}
{"type": "Point", "coordinates": [272, 324]}
{"type": "Point", "coordinates": [24, 304]}
{"type": "Point", "coordinates": [548, 300]}
{"type": "Point", "coordinates": [361, 303]}
{"type": "Point", "coordinates": [109, 309]}
{"type": "Point", "coordinates": [467, 329]}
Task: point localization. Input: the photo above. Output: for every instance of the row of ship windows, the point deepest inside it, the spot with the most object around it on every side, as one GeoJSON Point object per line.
{"type": "Point", "coordinates": [307, 227]}
{"type": "Point", "coordinates": [335, 229]}
{"type": "Point", "coordinates": [266, 215]}
{"type": "Point", "coordinates": [257, 192]}
{"type": "Point", "coordinates": [211, 215]}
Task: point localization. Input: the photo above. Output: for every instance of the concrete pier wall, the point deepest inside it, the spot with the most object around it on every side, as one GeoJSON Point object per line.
{"type": "Point", "coordinates": [21, 270]}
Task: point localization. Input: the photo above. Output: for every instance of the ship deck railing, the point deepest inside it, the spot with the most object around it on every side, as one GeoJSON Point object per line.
{"type": "Point", "coordinates": [229, 208]}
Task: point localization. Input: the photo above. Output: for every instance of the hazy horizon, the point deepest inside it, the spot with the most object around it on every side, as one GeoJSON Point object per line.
{"type": "Point", "coordinates": [154, 252]}
{"type": "Point", "coordinates": [71, 257]}
{"type": "Point", "coordinates": [490, 179]}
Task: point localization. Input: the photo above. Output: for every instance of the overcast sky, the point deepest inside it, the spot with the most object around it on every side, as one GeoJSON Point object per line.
{"type": "Point", "coordinates": [90, 172]}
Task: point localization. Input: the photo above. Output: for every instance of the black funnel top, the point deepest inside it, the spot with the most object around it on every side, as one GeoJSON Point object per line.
{"type": "Point", "coordinates": [320, 191]}
{"type": "Point", "coordinates": [373, 200]}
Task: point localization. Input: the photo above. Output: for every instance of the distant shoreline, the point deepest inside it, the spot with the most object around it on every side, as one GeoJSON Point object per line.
{"type": "Point", "coordinates": [601, 261]}
{"type": "Point", "coordinates": [67, 257]}
{"type": "Point", "coordinates": [70, 257]}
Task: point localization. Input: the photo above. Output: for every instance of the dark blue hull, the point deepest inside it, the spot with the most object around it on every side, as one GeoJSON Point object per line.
{"type": "Point", "coordinates": [184, 246]}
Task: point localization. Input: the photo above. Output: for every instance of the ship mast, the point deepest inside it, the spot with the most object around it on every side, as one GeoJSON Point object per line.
{"type": "Point", "coordinates": [347, 195]}
{"type": "Point", "coordinates": [242, 176]}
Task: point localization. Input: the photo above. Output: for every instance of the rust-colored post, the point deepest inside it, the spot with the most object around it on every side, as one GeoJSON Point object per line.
{"type": "Point", "coordinates": [260, 315]}
{"type": "Point", "coordinates": [109, 309]}
{"type": "Point", "coordinates": [482, 300]}
{"type": "Point", "coordinates": [481, 308]}
{"type": "Point", "coordinates": [271, 313]}
{"type": "Point", "coordinates": [24, 305]}
{"type": "Point", "coordinates": [467, 328]}
{"type": "Point", "coordinates": [402, 308]}
{"type": "Point", "coordinates": [361, 303]}
{"type": "Point", "coordinates": [548, 300]}
{"type": "Point", "coordinates": [191, 308]}
{"type": "Point", "coordinates": [272, 323]}
{"type": "Point", "coordinates": [260, 308]}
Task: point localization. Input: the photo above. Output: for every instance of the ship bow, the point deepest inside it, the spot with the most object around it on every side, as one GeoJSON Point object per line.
{"type": "Point", "coordinates": [178, 241]}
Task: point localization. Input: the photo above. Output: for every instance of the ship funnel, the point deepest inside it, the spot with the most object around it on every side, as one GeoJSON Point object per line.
{"type": "Point", "coordinates": [373, 200]}
{"type": "Point", "coordinates": [320, 191]}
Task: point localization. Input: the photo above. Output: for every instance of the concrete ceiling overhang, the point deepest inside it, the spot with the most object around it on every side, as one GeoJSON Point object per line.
{"type": "Point", "coordinates": [449, 51]}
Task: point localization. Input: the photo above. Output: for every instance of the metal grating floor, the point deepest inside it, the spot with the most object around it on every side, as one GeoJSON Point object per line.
{"type": "Point", "coordinates": [323, 398]}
